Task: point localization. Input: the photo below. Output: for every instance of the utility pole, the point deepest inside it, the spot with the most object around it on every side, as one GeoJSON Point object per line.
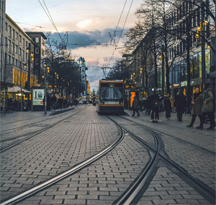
{"type": "Point", "coordinates": [29, 65]}
{"type": "Point", "coordinates": [163, 70]}
{"type": "Point", "coordinates": [45, 100]}
{"type": "Point", "coordinates": [203, 46]}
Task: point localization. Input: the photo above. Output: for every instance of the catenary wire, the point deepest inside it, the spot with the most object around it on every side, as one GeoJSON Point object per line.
{"type": "Point", "coordinates": [50, 18]}
{"type": "Point", "coordinates": [121, 33]}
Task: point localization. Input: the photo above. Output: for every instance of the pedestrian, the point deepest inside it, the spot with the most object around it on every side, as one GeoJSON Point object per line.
{"type": "Point", "coordinates": [197, 102]}
{"type": "Point", "coordinates": [172, 102]}
{"type": "Point", "coordinates": [208, 106]}
{"type": "Point", "coordinates": [167, 106]}
{"type": "Point", "coordinates": [154, 101]}
{"type": "Point", "coordinates": [135, 106]}
{"type": "Point", "coordinates": [53, 101]}
{"type": "Point", "coordinates": [180, 101]}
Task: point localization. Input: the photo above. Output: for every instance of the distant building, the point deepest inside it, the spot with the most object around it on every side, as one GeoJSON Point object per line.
{"type": "Point", "coordinates": [82, 66]}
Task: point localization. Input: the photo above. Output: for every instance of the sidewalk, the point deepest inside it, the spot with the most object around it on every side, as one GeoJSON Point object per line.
{"type": "Point", "coordinates": [22, 115]}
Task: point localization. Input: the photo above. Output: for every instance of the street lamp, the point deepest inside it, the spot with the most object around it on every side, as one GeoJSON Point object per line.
{"type": "Point", "coordinates": [30, 58]}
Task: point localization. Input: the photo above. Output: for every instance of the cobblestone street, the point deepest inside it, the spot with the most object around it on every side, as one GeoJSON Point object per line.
{"type": "Point", "coordinates": [36, 148]}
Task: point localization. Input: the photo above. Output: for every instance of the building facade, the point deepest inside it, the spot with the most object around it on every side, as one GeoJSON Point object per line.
{"type": "Point", "coordinates": [2, 42]}
{"type": "Point", "coordinates": [39, 52]}
{"type": "Point", "coordinates": [19, 55]}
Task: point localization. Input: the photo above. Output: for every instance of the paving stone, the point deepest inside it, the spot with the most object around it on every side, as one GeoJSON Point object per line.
{"type": "Point", "coordinates": [168, 196]}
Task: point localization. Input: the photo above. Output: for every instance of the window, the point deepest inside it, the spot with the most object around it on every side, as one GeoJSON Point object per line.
{"type": "Point", "coordinates": [12, 61]}
{"type": "Point", "coordinates": [20, 64]}
{"type": "Point", "coordinates": [26, 44]}
{"type": "Point", "coordinates": [23, 55]}
{"type": "Point", "coordinates": [16, 62]}
{"type": "Point", "coordinates": [20, 51]}
{"type": "Point", "coordinates": [23, 43]}
{"type": "Point", "coordinates": [9, 59]}
{"type": "Point", "coordinates": [36, 50]}
{"type": "Point", "coordinates": [6, 26]}
{"type": "Point", "coordinates": [16, 35]}
{"type": "Point", "coordinates": [16, 49]}
{"type": "Point", "coordinates": [26, 56]}
{"type": "Point", "coordinates": [20, 38]}
{"type": "Point", "coordinates": [9, 46]}
{"type": "Point", "coordinates": [6, 41]}
{"type": "Point", "coordinates": [13, 48]}
{"type": "Point", "coordinates": [13, 33]}
{"type": "Point", "coordinates": [36, 40]}
{"type": "Point", "coordinates": [42, 52]}
{"type": "Point", "coordinates": [10, 31]}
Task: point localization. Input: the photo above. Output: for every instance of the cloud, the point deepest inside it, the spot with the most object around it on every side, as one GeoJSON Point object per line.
{"type": "Point", "coordinates": [89, 38]}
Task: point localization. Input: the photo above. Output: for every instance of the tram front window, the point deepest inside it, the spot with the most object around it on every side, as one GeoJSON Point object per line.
{"type": "Point", "coordinates": [111, 94]}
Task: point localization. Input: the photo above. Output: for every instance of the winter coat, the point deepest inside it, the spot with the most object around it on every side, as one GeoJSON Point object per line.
{"type": "Point", "coordinates": [197, 107]}
{"type": "Point", "coordinates": [152, 98]}
{"type": "Point", "coordinates": [172, 102]}
{"type": "Point", "coordinates": [167, 104]}
{"type": "Point", "coordinates": [135, 104]}
{"type": "Point", "coordinates": [208, 97]}
{"type": "Point", "coordinates": [180, 101]}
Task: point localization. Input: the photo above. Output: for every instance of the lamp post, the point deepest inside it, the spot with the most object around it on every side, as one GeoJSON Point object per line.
{"type": "Point", "coordinates": [30, 58]}
{"type": "Point", "coordinates": [45, 78]}
{"type": "Point", "coordinates": [201, 30]}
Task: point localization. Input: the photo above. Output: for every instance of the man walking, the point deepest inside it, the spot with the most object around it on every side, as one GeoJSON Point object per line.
{"type": "Point", "coordinates": [180, 104]}
{"type": "Point", "coordinates": [135, 106]}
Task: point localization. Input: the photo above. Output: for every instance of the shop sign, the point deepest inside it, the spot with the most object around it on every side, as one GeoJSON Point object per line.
{"type": "Point", "coordinates": [184, 83]}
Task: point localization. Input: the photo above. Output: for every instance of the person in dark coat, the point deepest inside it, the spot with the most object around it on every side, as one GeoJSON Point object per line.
{"type": "Point", "coordinates": [208, 106]}
{"type": "Point", "coordinates": [167, 105]}
{"type": "Point", "coordinates": [135, 106]}
{"type": "Point", "coordinates": [180, 104]}
{"type": "Point", "coordinates": [53, 101]}
{"type": "Point", "coordinates": [154, 102]}
{"type": "Point", "coordinates": [197, 102]}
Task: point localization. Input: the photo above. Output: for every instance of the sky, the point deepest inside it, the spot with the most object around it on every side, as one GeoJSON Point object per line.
{"type": "Point", "coordinates": [88, 23]}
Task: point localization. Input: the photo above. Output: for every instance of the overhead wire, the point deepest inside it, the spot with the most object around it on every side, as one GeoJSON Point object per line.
{"type": "Point", "coordinates": [50, 17]}
{"type": "Point", "coordinates": [52, 20]}
{"type": "Point", "coordinates": [121, 32]}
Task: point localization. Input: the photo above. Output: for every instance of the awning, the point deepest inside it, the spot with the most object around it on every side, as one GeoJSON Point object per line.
{"type": "Point", "coordinates": [16, 89]}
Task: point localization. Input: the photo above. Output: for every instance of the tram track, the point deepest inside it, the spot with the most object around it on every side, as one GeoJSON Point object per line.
{"type": "Point", "coordinates": [133, 193]}
{"type": "Point", "coordinates": [30, 135]}
{"type": "Point", "coordinates": [51, 116]}
{"type": "Point", "coordinates": [176, 138]}
{"type": "Point", "coordinates": [20, 197]}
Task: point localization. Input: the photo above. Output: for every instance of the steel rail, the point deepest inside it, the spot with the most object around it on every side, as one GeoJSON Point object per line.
{"type": "Point", "coordinates": [20, 127]}
{"type": "Point", "coordinates": [128, 196]}
{"type": "Point", "coordinates": [13, 144]}
{"type": "Point", "coordinates": [180, 140]}
{"type": "Point", "coordinates": [75, 169]}
{"type": "Point", "coordinates": [206, 191]}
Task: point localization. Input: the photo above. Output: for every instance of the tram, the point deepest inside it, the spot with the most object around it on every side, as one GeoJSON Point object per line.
{"type": "Point", "coordinates": [110, 96]}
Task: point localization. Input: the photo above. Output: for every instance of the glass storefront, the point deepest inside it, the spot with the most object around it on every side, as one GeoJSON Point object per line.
{"type": "Point", "coordinates": [179, 69]}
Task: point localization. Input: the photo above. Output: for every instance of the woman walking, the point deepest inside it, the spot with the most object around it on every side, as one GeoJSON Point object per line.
{"type": "Point", "coordinates": [208, 106]}
{"type": "Point", "coordinates": [154, 99]}
{"type": "Point", "coordinates": [197, 102]}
